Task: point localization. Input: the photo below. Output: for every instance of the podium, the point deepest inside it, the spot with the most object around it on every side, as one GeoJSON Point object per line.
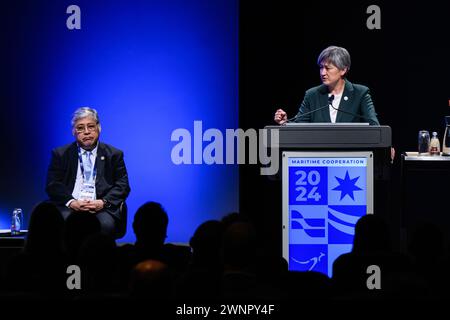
{"type": "Point", "coordinates": [329, 174]}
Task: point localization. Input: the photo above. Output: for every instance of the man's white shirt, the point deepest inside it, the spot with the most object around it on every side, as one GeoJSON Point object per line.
{"type": "Point", "coordinates": [79, 179]}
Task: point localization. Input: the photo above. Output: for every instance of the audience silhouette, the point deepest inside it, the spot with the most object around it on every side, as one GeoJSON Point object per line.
{"type": "Point", "coordinates": [151, 279]}
{"type": "Point", "coordinates": [98, 262]}
{"type": "Point", "coordinates": [371, 247]}
{"type": "Point", "coordinates": [225, 260]}
{"type": "Point", "coordinates": [150, 227]}
{"type": "Point", "coordinates": [201, 281]}
{"type": "Point", "coordinates": [78, 227]}
{"type": "Point", "coordinates": [41, 266]}
{"type": "Point", "coordinates": [427, 252]}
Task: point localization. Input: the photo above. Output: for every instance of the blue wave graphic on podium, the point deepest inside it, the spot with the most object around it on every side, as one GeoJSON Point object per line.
{"type": "Point", "coordinates": [313, 227]}
{"type": "Point", "coordinates": [342, 221]}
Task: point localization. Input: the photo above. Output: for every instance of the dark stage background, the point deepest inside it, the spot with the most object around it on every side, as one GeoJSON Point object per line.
{"type": "Point", "coordinates": [404, 64]}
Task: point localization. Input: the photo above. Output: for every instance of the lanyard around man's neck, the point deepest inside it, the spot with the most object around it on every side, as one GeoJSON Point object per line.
{"type": "Point", "coordinates": [94, 171]}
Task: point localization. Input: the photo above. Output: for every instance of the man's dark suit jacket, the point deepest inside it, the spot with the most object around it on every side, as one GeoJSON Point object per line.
{"type": "Point", "coordinates": [111, 182]}
{"type": "Point", "coordinates": [359, 103]}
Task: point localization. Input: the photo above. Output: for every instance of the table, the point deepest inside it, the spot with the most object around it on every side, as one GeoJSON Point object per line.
{"type": "Point", "coordinates": [12, 241]}
{"type": "Point", "coordinates": [425, 187]}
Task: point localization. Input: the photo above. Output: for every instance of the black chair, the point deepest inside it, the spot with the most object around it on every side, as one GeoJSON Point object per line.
{"type": "Point", "coordinates": [121, 227]}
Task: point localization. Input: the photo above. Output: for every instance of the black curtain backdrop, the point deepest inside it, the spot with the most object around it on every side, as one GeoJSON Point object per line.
{"type": "Point", "coordinates": [404, 64]}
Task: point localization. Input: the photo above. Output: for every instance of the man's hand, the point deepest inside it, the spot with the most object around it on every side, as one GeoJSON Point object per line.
{"type": "Point", "coordinates": [78, 205]}
{"type": "Point", "coordinates": [94, 205]}
{"type": "Point", "coordinates": [280, 117]}
{"type": "Point", "coordinates": [87, 205]}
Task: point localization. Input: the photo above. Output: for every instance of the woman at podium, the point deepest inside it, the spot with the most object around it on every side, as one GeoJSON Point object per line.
{"type": "Point", "coordinates": [336, 99]}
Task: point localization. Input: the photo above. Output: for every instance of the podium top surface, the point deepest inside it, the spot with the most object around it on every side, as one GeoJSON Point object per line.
{"type": "Point", "coordinates": [414, 156]}
{"type": "Point", "coordinates": [6, 233]}
{"type": "Point", "coordinates": [332, 136]}
{"type": "Point", "coordinates": [323, 124]}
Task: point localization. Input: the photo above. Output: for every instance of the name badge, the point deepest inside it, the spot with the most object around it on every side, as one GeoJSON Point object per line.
{"type": "Point", "coordinates": [87, 191]}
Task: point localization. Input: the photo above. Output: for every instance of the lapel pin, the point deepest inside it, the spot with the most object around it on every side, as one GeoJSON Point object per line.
{"type": "Point", "coordinates": [102, 158]}
{"type": "Point", "coordinates": [345, 98]}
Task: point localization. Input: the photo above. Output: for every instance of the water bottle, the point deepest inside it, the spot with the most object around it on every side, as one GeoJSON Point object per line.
{"type": "Point", "coordinates": [16, 221]}
{"type": "Point", "coordinates": [446, 142]}
{"type": "Point", "coordinates": [435, 146]}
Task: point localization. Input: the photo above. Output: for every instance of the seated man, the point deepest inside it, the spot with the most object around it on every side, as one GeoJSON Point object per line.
{"type": "Point", "coordinates": [88, 175]}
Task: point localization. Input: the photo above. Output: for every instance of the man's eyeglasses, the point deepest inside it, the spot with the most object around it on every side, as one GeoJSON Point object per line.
{"type": "Point", "coordinates": [89, 127]}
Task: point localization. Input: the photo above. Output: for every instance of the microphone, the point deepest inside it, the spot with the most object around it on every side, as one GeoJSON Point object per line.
{"type": "Point", "coordinates": [330, 103]}
{"type": "Point", "coordinates": [351, 113]}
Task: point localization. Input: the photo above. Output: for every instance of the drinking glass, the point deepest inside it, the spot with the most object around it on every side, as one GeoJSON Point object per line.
{"type": "Point", "coordinates": [424, 142]}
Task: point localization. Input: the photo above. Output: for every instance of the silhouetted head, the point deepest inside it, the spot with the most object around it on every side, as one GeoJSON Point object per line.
{"type": "Point", "coordinates": [97, 250]}
{"type": "Point", "coordinates": [97, 260]}
{"type": "Point", "coordinates": [371, 235]}
{"type": "Point", "coordinates": [150, 224]}
{"type": "Point", "coordinates": [151, 278]}
{"type": "Point", "coordinates": [206, 242]}
{"type": "Point", "coordinates": [79, 226]}
{"type": "Point", "coordinates": [45, 229]}
{"type": "Point", "coordinates": [239, 245]}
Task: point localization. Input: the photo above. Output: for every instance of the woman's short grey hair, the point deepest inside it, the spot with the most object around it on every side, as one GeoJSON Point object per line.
{"type": "Point", "coordinates": [85, 112]}
{"type": "Point", "coordinates": [336, 55]}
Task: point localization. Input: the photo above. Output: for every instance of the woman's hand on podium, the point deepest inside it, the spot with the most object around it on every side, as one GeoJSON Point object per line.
{"type": "Point", "coordinates": [280, 117]}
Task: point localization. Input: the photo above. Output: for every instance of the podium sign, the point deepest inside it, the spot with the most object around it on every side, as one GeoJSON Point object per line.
{"type": "Point", "coordinates": [324, 195]}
